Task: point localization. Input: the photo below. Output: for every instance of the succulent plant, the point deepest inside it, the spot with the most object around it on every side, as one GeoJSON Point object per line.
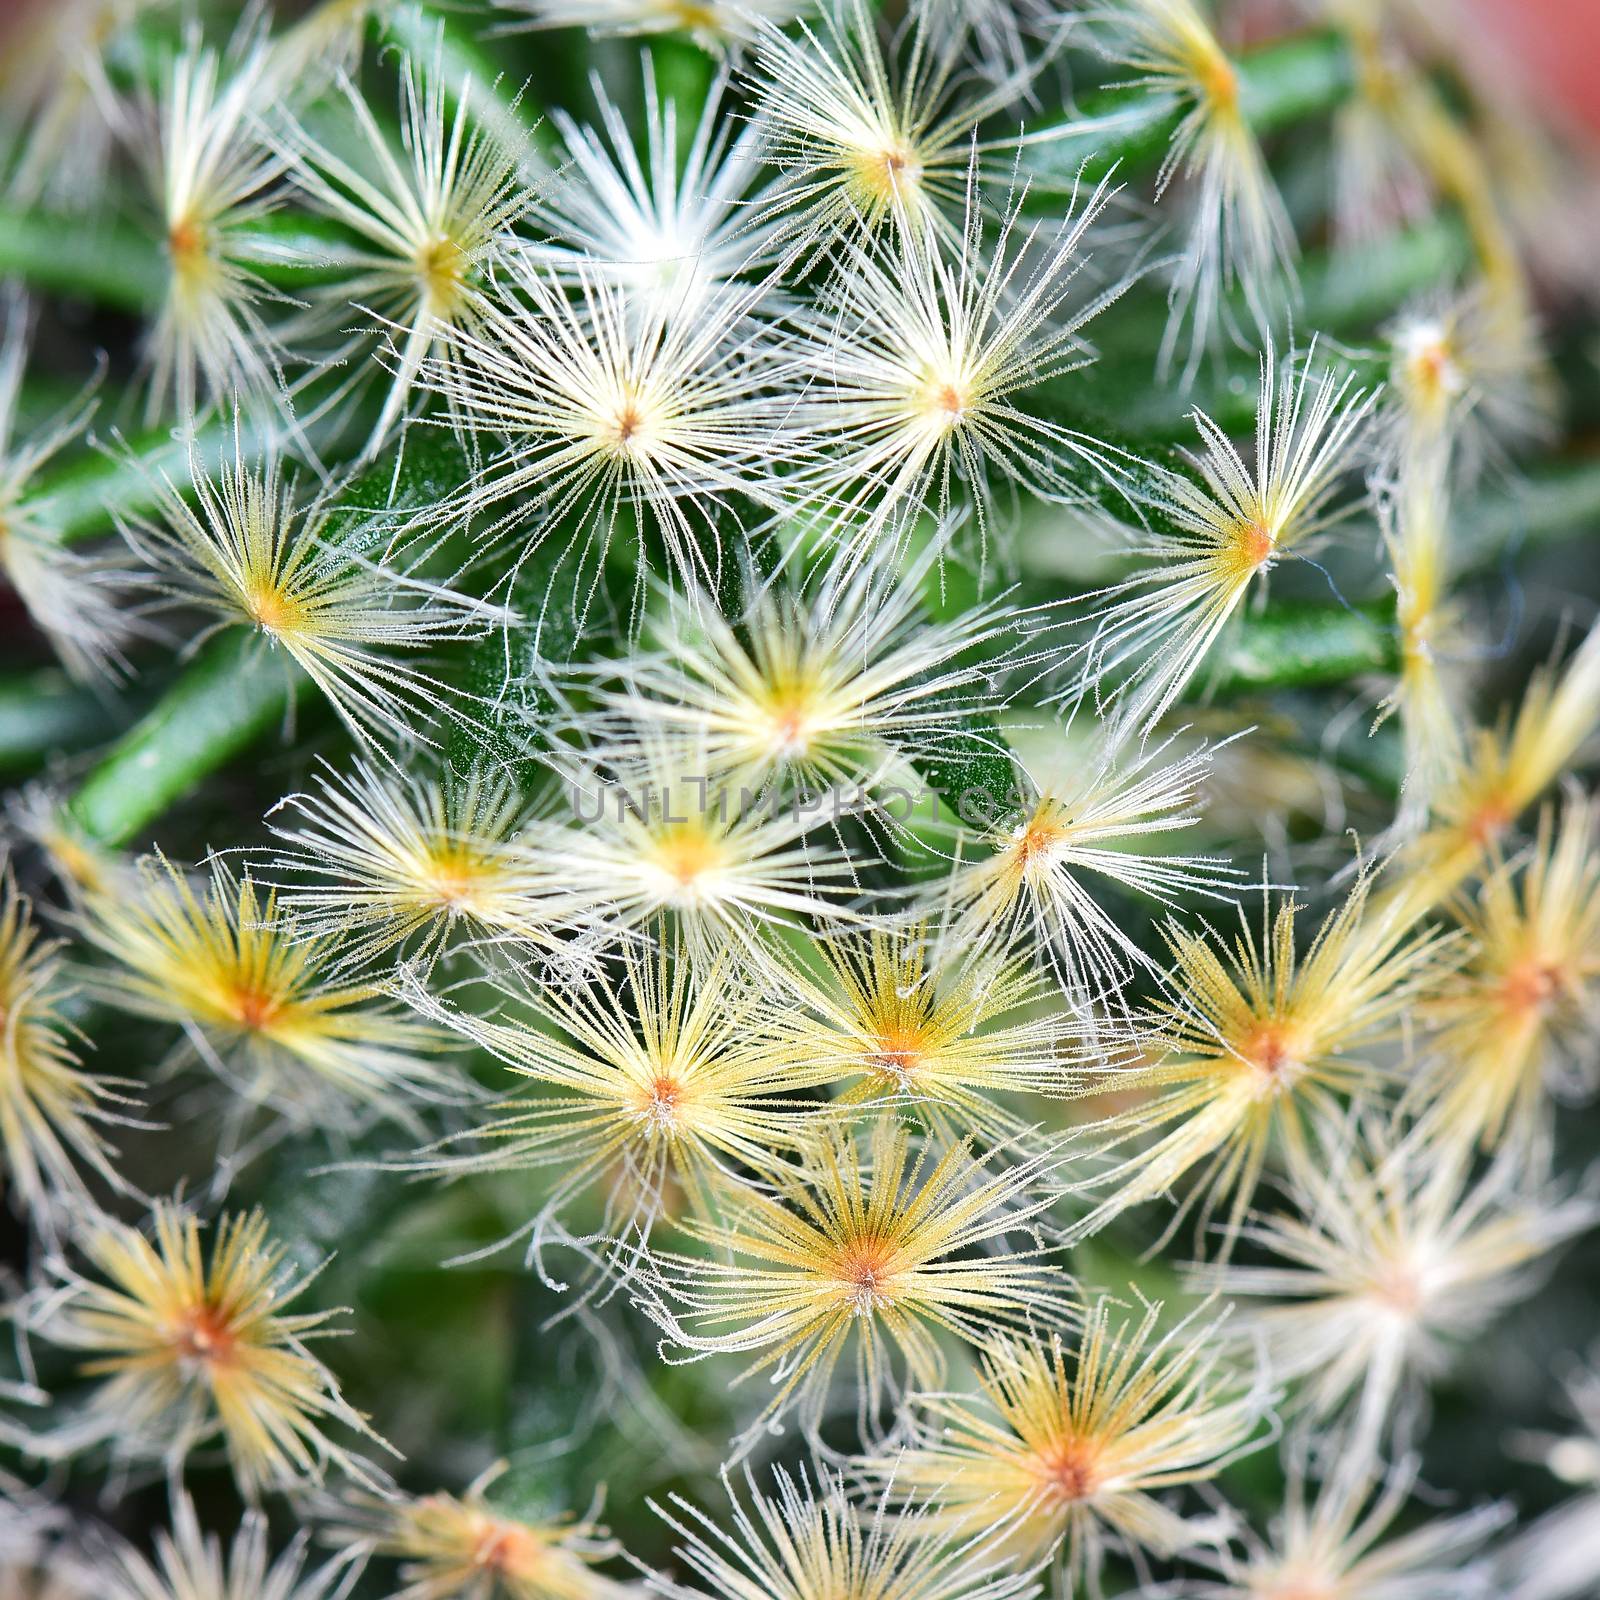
{"type": "Point", "coordinates": [828, 761]}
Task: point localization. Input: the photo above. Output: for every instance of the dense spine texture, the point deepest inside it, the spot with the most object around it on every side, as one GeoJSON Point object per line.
{"type": "Point", "coordinates": [797, 804]}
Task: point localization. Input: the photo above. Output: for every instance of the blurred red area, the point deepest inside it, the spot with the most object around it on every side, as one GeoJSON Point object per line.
{"type": "Point", "coordinates": [1553, 46]}
{"type": "Point", "coordinates": [14, 12]}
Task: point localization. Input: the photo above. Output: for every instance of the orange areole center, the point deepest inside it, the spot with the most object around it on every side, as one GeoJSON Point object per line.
{"type": "Point", "coordinates": [866, 1270]}
{"type": "Point", "coordinates": [1070, 1472]}
{"type": "Point", "coordinates": [1530, 986]}
{"type": "Point", "coordinates": [1256, 543]}
{"type": "Point", "coordinates": [898, 1053]}
{"type": "Point", "coordinates": [1276, 1052]}
{"type": "Point", "coordinates": [255, 1010]}
{"type": "Point", "coordinates": [508, 1550]}
{"type": "Point", "coordinates": [204, 1334]}
{"type": "Point", "coordinates": [687, 855]}
{"type": "Point", "coordinates": [186, 240]}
